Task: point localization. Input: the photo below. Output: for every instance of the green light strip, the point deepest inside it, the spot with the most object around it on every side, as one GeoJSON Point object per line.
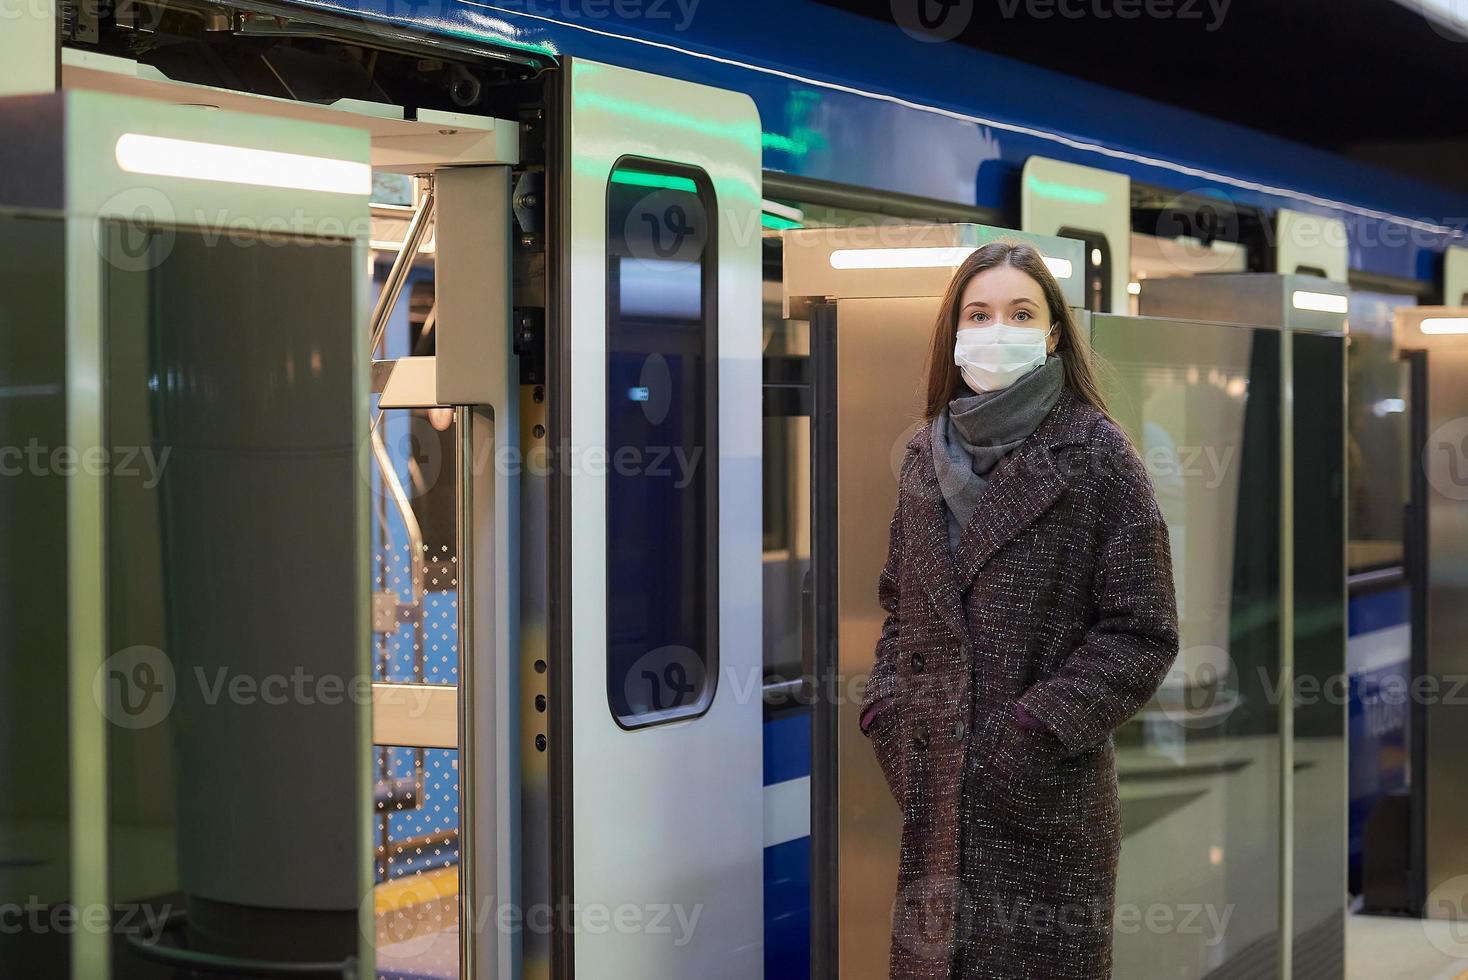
{"type": "Point", "coordinates": [783, 144]}
{"type": "Point", "coordinates": [1066, 192]}
{"type": "Point", "coordinates": [643, 113]}
{"type": "Point", "coordinates": [641, 178]}
{"type": "Point", "coordinates": [778, 223]}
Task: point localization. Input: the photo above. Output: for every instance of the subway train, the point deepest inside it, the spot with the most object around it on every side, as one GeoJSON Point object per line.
{"type": "Point", "coordinates": [394, 395]}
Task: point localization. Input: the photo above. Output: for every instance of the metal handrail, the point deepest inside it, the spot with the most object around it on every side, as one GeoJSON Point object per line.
{"type": "Point", "coordinates": [400, 501]}
{"type": "Point", "coordinates": [387, 300]}
{"type": "Point", "coordinates": [398, 274]}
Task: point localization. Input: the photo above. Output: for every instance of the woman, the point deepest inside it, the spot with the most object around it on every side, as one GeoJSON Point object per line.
{"type": "Point", "coordinates": [1030, 611]}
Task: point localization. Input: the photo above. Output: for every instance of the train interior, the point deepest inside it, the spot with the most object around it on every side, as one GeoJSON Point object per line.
{"type": "Point", "coordinates": [361, 394]}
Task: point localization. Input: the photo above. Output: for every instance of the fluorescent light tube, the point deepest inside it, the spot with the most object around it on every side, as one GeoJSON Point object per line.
{"type": "Point", "coordinates": [1059, 268]}
{"type": "Point", "coordinates": [162, 156]}
{"type": "Point", "coordinates": [1304, 299]}
{"type": "Point", "coordinates": [1445, 324]}
{"type": "Point", "coordinates": [926, 257]}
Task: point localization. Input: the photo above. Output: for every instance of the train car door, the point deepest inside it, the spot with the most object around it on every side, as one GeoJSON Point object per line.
{"type": "Point", "coordinates": [1455, 276]}
{"type": "Point", "coordinates": [870, 301]}
{"type": "Point", "coordinates": [1309, 244]}
{"type": "Point", "coordinates": [1288, 466]}
{"type": "Point", "coordinates": [654, 419]}
{"type": "Point", "coordinates": [1094, 206]}
{"type": "Point", "coordinates": [180, 314]}
{"type": "Point", "coordinates": [1425, 874]}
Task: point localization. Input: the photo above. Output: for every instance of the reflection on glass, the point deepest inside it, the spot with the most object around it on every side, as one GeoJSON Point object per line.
{"type": "Point", "coordinates": [1198, 768]}
{"type": "Point", "coordinates": [787, 508]}
{"type": "Point", "coordinates": [233, 592]}
{"type": "Point", "coordinates": [35, 859]}
{"type": "Point", "coordinates": [414, 503]}
{"type": "Point", "coordinates": [1319, 741]}
{"type": "Point", "coordinates": [1377, 409]}
{"type": "Point", "coordinates": [416, 633]}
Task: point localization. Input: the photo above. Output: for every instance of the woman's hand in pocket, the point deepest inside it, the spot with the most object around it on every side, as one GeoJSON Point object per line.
{"type": "Point", "coordinates": [887, 745]}
{"type": "Point", "coordinates": [1029, 781]}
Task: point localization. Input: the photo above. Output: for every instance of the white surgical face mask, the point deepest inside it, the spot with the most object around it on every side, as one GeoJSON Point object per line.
{"type": "Point", "coordinates": [995, 355]}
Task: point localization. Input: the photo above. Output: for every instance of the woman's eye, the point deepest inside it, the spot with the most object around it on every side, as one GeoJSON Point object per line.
{"type": "Point", "coordinates": [977, 317]}
{"type": "Point", "coordinates": [1022, 315]}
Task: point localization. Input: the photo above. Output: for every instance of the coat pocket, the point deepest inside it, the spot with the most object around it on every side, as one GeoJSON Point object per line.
{"type": "Point", "coordinates": [1031, 786]}
{"type": "Point", "coordinates": [887, 745]}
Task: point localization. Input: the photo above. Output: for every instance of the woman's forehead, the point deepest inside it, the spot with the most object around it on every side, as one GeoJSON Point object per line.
{"type": "Point", "coordinates": [1001, 286]}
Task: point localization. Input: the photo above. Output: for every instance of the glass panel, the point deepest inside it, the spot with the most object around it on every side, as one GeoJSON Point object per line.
{"type": "Point", "coordinates": [1186, 244]}
{"type": "Point", "coordinates": [1198, 769]}
{"type": "Point", "coordinates": [787, 509]}
{"type": "Point", "coordinates": [1378, 433]}
{"type": "Point", "coordinates": [35, 813]}
{"type": "Point", "coordinates": [416, 633]}
{"type": "Point", "coordinates": [1380, 645]}
{"type": "Point", "coordinates": [662, 372]}
{"type": "Point", "coordinates": [1320, 648]}
{"type": "Point", "coordinates": [234, 574]}
{"type": "Point", "coordinates": [415, 590]}
{"type": "Point", "coordinates": [789, 614]}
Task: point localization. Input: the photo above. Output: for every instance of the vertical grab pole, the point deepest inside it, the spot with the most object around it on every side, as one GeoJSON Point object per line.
{"type": "Point", "coordinates": [489, 774]}
{"type": "Point", "coordinates": [470, 822]}
{"type": "Point", "coordinates": [1417, 553]}
{"type": "Point", "coordinates": [86, 595]}
{"type": "Point", "coordinates": [1286, 652]}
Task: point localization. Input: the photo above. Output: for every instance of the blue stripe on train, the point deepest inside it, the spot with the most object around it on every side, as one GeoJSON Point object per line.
{"type": "Point", "coordinates": [1379, 610]}
{"type": "Point", "coordinates": [1377, 655]}
{"type": "Point", "coordinates": [787, 743]}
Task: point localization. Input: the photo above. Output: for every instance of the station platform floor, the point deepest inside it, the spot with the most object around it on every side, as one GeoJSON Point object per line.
{"type": "Point", "coordinates": [1377, 948]}
{"type": "Point", "coordinates": [1382, 947]}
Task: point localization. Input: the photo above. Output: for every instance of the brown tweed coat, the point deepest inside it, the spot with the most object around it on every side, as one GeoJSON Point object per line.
{"type": "Point", "coordinates": [1060, 597]}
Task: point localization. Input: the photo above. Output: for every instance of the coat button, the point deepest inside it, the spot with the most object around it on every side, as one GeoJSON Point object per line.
{"type": "Point", "coordinates": [917, 661]}
{"type": "Point", "coordinates": [920, 739]}
{"type": "Point", "coordinates": [959, 730]}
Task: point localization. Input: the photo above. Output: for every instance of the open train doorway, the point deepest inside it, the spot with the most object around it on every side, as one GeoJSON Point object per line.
{"type": "Point", "coordinates": [1196, 763]}
{"type": "Point", "coordinates": [1411, 858]}
{"type": "Point", "coordinates": [314, 448]}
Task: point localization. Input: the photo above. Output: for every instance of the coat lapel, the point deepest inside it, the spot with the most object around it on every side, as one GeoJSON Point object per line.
{"type": "Point", "coordinates": [936, 572]}
{"type": "Point", "coordinates": [1024, 485]}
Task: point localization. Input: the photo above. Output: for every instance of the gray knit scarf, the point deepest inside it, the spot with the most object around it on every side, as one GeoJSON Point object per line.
{"type": "Point", "coordinates": [975, 431]}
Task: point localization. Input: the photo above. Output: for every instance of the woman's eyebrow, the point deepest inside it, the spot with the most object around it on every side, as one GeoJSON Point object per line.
{"type": "Point", "coordinates": [1024, 299]}
{"type": "Point", "coordinates": [974, 302]}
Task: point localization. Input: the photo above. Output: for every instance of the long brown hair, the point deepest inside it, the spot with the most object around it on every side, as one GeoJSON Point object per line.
{"type": "Point", "coordinates": [1074, 352]}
